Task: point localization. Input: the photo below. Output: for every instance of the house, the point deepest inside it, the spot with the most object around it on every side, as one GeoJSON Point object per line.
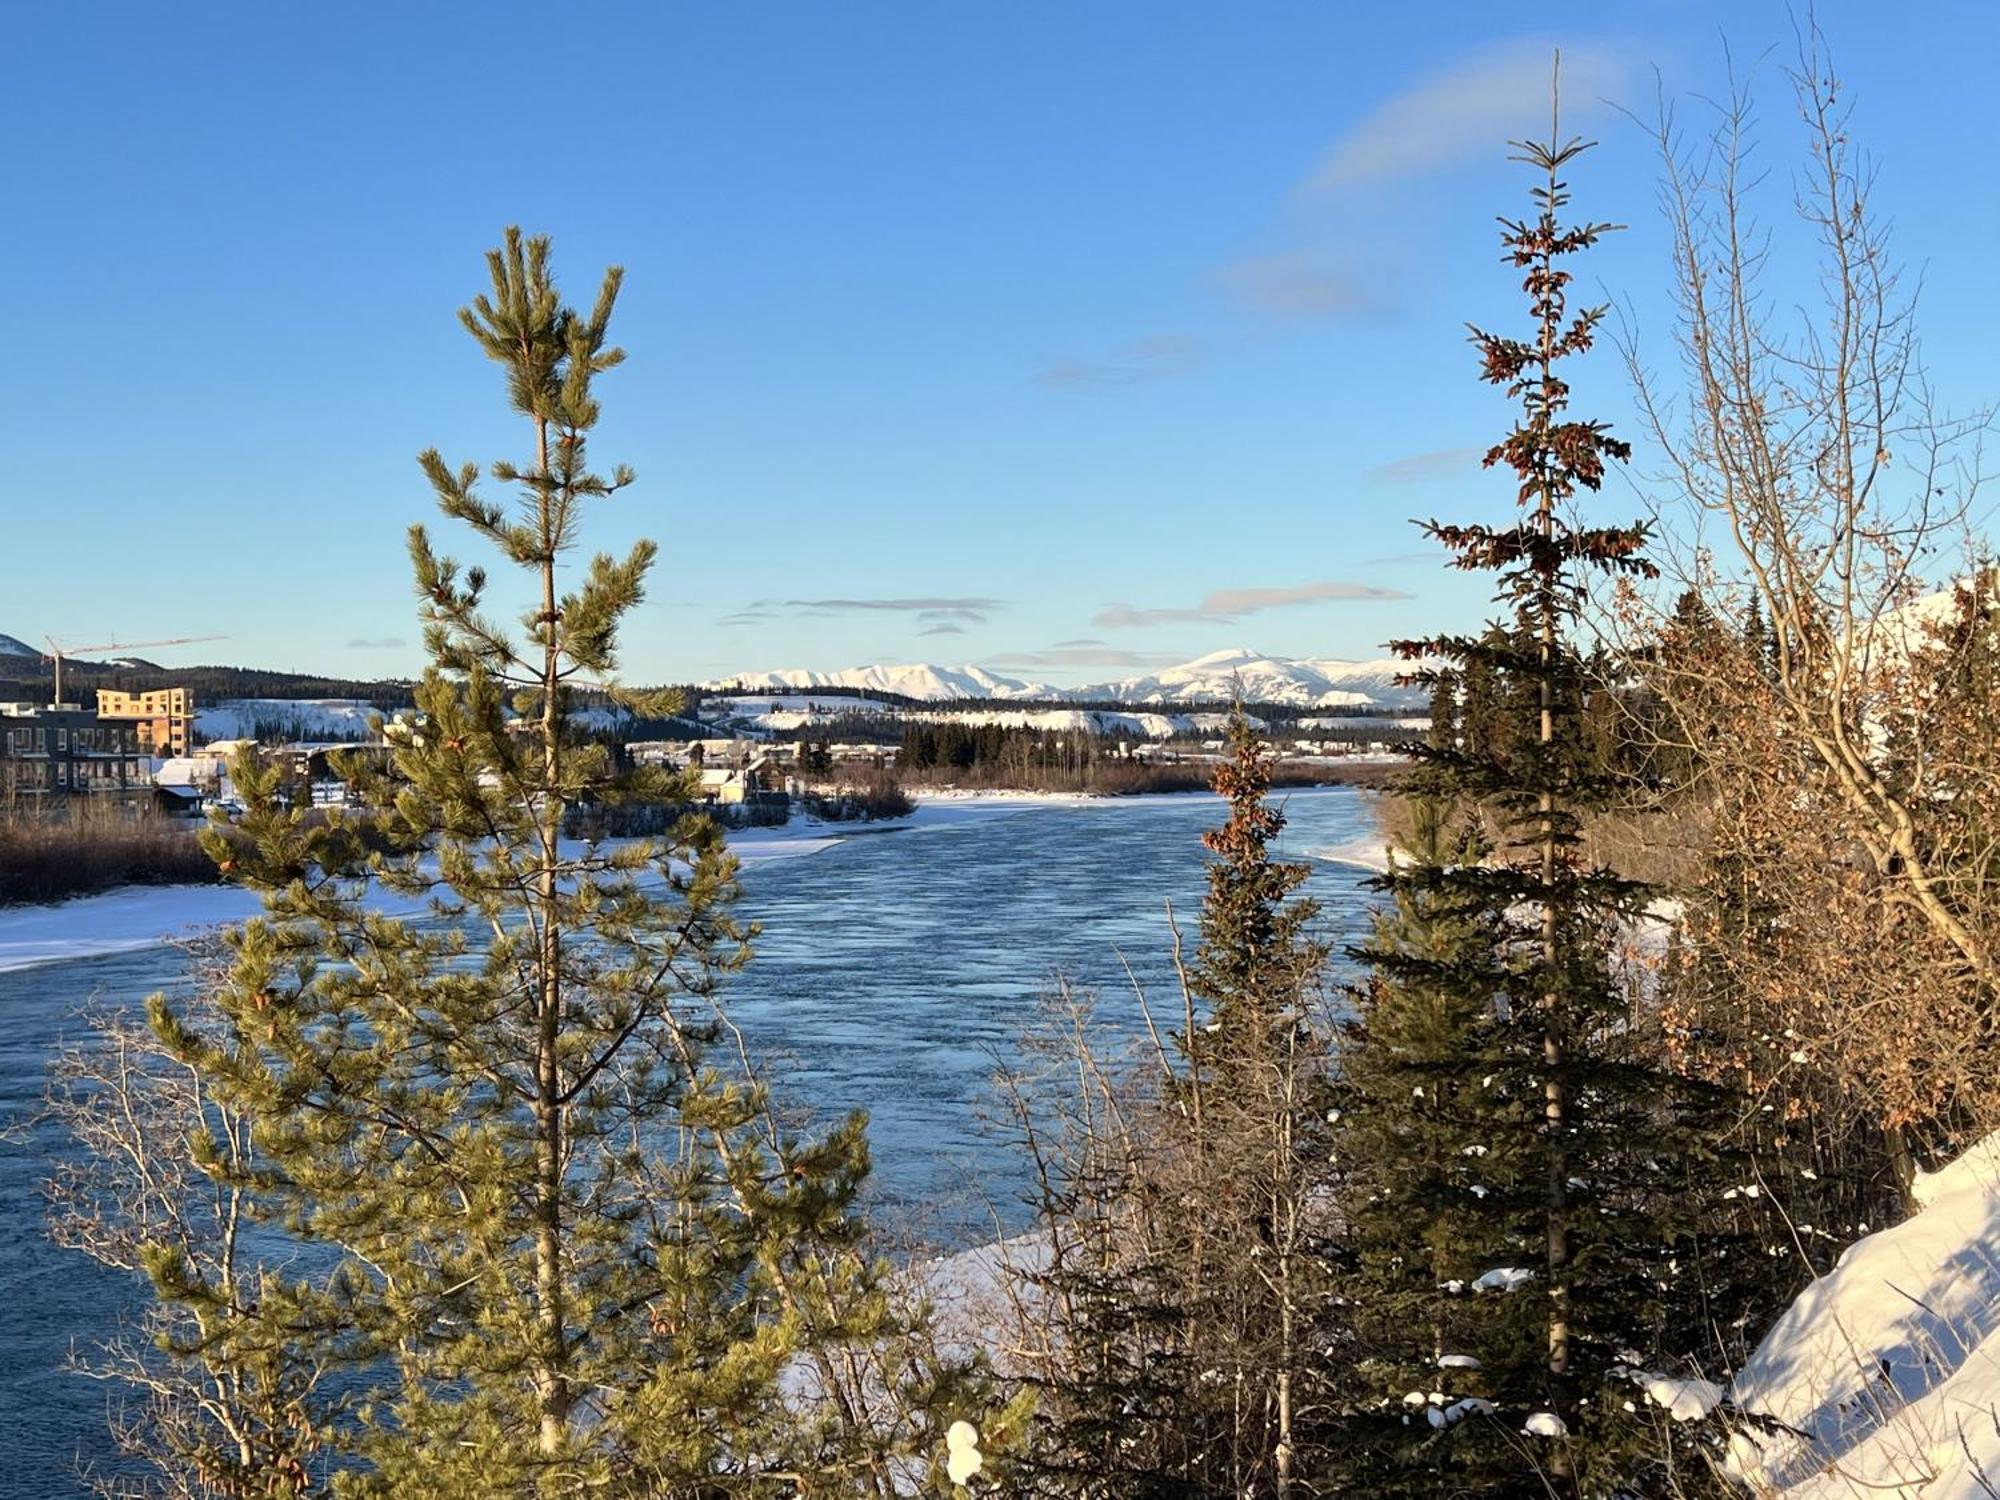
{"type": "Point", "coordinates": [55, 750]}
{"type": "Point", "coordinates": [735, 785]}
{"type": "Point", "coordinates": [179, 800]}
{"type": "Point", "coordinates": [313, 764]}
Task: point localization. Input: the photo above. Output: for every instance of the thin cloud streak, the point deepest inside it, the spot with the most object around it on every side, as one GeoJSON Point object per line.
{"type": "Point", "coordinates": [1418, 468]}
{"type": "Point", "coordinates": [1084, 656]}
{"type": "Point", "coordinates": [1225, 606]}
{"type": "Point", "coordinates": [967, 605]}
{"type": "Point", "coordinates": [1157, 357]}
{"type": "Point", "coordinates": [1297, 285]}
{"type": "Point", "coordinates": [1501, 93]}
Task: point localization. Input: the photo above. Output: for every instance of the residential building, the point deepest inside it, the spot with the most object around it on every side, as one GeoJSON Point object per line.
{"type": "Point", "coordinates": [163, 718]}
{"type": "Point", "coordinates": [56, 750]}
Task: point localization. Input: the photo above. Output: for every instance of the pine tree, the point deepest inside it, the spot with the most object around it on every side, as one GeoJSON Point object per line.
{"type": "Point", "coordinates": [1579, 1124]}
{"type": "Point", "coordinates": [571, 1252]}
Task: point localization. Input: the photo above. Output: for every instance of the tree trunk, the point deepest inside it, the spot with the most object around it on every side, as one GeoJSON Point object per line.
{"type": "Point", "coordinates": [553, 1378]}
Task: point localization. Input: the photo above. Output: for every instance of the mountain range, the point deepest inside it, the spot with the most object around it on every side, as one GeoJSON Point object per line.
{"type": "Point", "coordinates": [1219, 677]}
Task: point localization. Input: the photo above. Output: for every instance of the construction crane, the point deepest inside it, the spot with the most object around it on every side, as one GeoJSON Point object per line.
{"type": "Point", "coordinates": [57, 651]}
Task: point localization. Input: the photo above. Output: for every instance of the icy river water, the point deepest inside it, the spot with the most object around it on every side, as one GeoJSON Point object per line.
{"type": "Point", "coordinates": [894, 967]}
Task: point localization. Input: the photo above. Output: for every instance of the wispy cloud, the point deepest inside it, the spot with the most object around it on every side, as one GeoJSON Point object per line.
{"type": "Point", "coordinates": [969, 609]}
{"type": "Point", "coordinates": [1153, 358]}
{"type": "Point", "coordinates": [946, 628]}
{"type": "Point", "coordinates": [1097, 655]}
{"type": "Point", "coordinates": [1418, 468]}
{"type": "Point", "coordinates": [377, 643]}
{"type": "Point", "coordinates": [1343, 248]}
{"type": "Point", "coordinates": [1501, 93]}
{"type": "Point", "coordinates": [969, 605]}
{"type": "Point", "coordinates": [1297, 284]}
{"type": "Point", "coordinates": [1225, 606]}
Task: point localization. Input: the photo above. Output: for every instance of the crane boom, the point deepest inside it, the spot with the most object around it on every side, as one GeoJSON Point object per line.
{"type": "Point", "coordinates": [57, 651]}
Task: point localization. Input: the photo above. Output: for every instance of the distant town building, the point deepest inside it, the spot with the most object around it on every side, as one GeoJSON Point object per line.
{"type": "Point", "coordinates": [164, 718]}
{"type": "Point", "coordinates": [62, 749]}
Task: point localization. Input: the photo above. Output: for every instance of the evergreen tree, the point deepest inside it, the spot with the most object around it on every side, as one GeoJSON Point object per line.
{"type": "Point", "coordinates": [570, 1252]}
{"type": "Point", "coordinates": [1192, 1274]}
{"type": "Point", "coordinates": [1256, 952]}
{"type": "Point", "coordinates": [1441, 1190]}
{"type": "Point", "coordinates": [1577, 1122]}
{"type": "Point", "coordinates": [1257, 1083]}
{"type": "Point", "coordinates": [1759, 645]}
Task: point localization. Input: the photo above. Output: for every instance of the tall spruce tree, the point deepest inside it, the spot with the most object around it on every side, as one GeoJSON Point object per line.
{"type": "Point", "coordinates": [1440, 1186]}
{"type": "Point", "coordinates": [571, 1252]}
{"type": "Point", "coordinates": [1257, 953]}
{"type": "Point", "coordinates": [1580, 1136]}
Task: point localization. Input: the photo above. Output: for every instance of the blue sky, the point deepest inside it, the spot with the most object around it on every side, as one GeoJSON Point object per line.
{"type": "Point", "coordinates": [1072, 339]}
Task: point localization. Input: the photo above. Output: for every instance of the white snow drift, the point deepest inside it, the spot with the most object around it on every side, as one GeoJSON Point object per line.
{"type": "Point", "coordinates": [1885, 1373]}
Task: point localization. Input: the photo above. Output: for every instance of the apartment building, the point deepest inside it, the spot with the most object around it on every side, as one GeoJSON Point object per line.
{"type": "Point", "coordinates": [61, 749]}
{"type": "Point", "coordinates": [163, 719]}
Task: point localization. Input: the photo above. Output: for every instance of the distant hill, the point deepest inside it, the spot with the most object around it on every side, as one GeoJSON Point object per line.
{"type": "Point", "coordinates": [9, 646]}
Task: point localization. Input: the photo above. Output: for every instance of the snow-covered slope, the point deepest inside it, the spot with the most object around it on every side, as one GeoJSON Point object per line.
{"type": "Point", "coordinates": [11, 647]}
{"type": "Point", "coordinates": [1215, 678]}
{"type": "Point", "coordinates": [1887, 1369]}
{"type": "Point", "coordinates": [284, 718]}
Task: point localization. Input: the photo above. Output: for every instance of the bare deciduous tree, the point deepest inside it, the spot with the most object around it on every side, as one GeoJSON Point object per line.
{"type": "Point", "coordinates": [1815, 487]}
{"type": "Point", "coordinates": [213, 1399]}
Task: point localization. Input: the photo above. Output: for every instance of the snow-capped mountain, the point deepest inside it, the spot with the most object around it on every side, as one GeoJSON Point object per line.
{"type": "Point", "coordinates": [929, 683]}
{"type": "Point", "coordinates": [1222, 676]}
{"type": "Point", "coordinates": [1215, 678]}
{"type": "Point", "coordinates": [11, 647]}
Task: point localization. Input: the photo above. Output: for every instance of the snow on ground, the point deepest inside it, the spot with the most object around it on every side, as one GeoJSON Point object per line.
{"type": "Point", "coordinates": [1887, 1369]}
{"type": "Point", "coordinates": [1370, 852]}
{"type": "Point", "coordinates": [288, 718]}
{"type": "Point", "coordinates": [972, 1293]}
{"type": "Point", "coordinates": [117, 922]}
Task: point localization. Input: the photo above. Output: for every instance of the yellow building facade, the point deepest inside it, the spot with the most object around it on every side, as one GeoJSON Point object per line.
{"type": "Point", "coordinates": [164, 717]}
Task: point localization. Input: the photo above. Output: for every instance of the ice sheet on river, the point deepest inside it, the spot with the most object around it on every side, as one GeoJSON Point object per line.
{"type": "Point", "coordinates": [136, 917]}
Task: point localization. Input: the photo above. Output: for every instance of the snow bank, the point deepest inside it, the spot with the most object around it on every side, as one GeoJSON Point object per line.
{"type": "Point", "coordinates": [1369, 852]}
{"type": "Point", "coordinates": [1886, 1371]}
{"type": "Point", "coordinates": [119, 921]}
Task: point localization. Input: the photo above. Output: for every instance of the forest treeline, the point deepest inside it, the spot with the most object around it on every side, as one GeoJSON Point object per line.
{"type": "Point", "coordinates": [504, 1207]}
{"type": "Point", "coordinates": [1024, 758]}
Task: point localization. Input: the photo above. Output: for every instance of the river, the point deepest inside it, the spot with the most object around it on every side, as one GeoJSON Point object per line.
{"type": "Point", "coordinates": [894, 967]}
